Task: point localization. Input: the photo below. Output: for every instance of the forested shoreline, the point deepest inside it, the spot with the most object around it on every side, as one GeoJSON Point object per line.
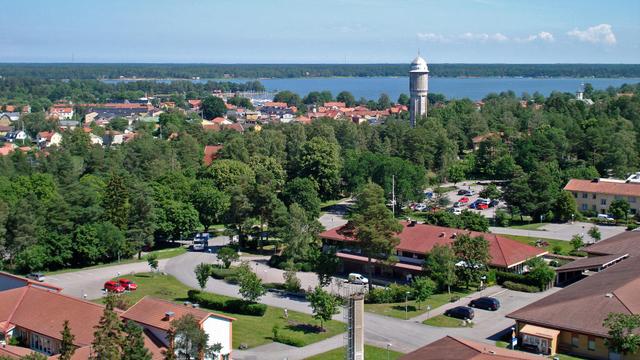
{"type": "Point", "coordinates": [257, 71]}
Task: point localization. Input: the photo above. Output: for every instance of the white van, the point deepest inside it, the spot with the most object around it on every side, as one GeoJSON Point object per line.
{"type": "Point", "coordinates": [355, 278]}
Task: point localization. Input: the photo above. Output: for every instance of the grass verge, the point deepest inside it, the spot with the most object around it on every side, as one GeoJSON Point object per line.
{"type": "Point", "coordinates": [564, 246]}
{"type": "Point", "coordinates": [534, 226]}
{"type": "Point", "coordinates": [370, 353]}
{"type": "Point", "coordinates": [397, 310]}
{"type": "Point", "coordinates": [250, 330]}
{"type": "Point", "coordinates": [444, 321]}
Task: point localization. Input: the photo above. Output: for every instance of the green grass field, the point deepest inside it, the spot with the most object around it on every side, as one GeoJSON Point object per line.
{"type": "Point", "coordinates": [250, 330]}
{"type": "Point", "coordinates": [565, 246]}
{"type": "Point", "coordinates": [370, 353]}
{"type": "Point", "coordinates": [162, 254]}
{"type": "Point", "coordinates": [397, 310]}
{"type": "Point", "coordinates": [443, 321]}
{"type": "Point", "coordinates": [534, 226]}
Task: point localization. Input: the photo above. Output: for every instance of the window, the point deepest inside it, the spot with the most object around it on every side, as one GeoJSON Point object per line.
{"type": "Point", "coordinates": [585, 195]}
{"type": "Point", "coordinates": [585, 206]}
{"type": "Point", "coordinates": [632, 199]}
{"type": "Point", "coordinates": [575, 340]}
{"type": "Point", "coordinates": [591, 345]}
{"type": "Point", "coordinates": [575, 195]}
{"type": "Point", "coordinates": [593, 196]}
{"type": "Point", "coordinates": [603, 201]}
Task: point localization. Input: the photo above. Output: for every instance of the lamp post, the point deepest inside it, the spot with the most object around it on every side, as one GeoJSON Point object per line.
{"type": "Point", "coordinates": [388, 351]}
{"type": "Point", "coordinates": [406, 305]}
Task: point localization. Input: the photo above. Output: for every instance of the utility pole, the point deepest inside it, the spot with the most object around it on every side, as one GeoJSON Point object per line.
{"type": "Point", "coordinates": [393, 194]}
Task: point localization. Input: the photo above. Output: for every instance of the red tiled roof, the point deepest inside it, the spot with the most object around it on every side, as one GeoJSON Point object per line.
{"type": "Point", "coordinates": [14, 352]}
{"type": "Point", "coordinates": [30, 282]}
{"type": "Point", "coordinates": [211, 127]}
{"type": "Point", "coordinates": [421, 238]}
{"type": "Point", "coordinates": [277, 104]}
{"type": "Point", "coordinates": [625, 243]}
{"type": "Point", "coordinates": [6, 149]}
{"type": "Point", "coordinates": [210, 153]}
{"type": "Point", "coordinates": [151, 312]}
{"type": "Point", "coordinates": [452, 348]}
{"type": "Point", "coordinates": [335, 104]}
{"type": "Point", "coordinates": [235, 126]}
{"type": "Point", "coordinates": [218, 120]}
{"type": "Point", "coordinates": [603, 187]}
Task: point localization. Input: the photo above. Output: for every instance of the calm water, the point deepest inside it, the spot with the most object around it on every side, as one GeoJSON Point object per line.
{"type": "Point", "coordinates": [473, 88]}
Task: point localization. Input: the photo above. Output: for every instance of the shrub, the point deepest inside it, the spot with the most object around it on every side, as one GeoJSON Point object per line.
{"type": "Point", "coordinates": [454, 298]}
{"type": "Point", "coordinates": [222, 273]}
{"type": "Point", "coordinates": [632, 227]}
{"type": "Point", "coordinates": [393, 293]}
{"type": "Point", "coordinates": [491, 276]}
{"type": "Point", "coordinates": [556, 249]}
{"type": "Point", "coordinates": [520, 287]}
{"type": "Point", "coordinates": [289, 339]}
{"type": "Point", "coordinates": [237, 306]}
{"type": "Point", "coordinates": [502, 277]}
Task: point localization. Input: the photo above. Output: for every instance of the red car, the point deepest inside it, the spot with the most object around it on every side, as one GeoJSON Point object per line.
{"type": "Point", "coordinates": [128, 284]}
{"type": "Point", "coordinates": [464, 200]}
{"type": "Point", "coordinates": [113, 286]}
{"type": "Point", "coordinates": [482, 206]}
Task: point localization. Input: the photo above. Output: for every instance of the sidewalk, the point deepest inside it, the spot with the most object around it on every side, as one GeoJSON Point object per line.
{"type": "Point", "coordinates": [490, 291]}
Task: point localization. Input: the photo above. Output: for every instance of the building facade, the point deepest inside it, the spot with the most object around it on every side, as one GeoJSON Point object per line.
{"type": "Point", "coordinates": [596, 195]}
{"type": "Point", "coordinates": [418, 88]}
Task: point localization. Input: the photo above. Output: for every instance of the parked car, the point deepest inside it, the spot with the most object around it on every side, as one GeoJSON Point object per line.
{"type": "Point", "coordinates": [483, 201]}
{"type": "Point", "coordinates": [482, 206]}
{"type": "Point", "coordinates": [128, 284]}
{"type": "Point", "coordinates": [460, 312]}
{"type": "Point", "coordinates": [36, 276]}
{"type": "Point", "coordinates": [494, 202]}
{"type": "Point", "coordinates": [473, 205]}
{"type": "Point", "coordinates": [113, 286]}
{"type": "Point", "coordinates": [356, 278]}
{"type": "Point", "coordinates": [486, 303]}
{"type": "Point", "coordinates": [455, 210]}
{"type": "Point", "coordinates": [466, 192]}
{"type": "Point", "coordinates": [605, 217]}
{"type": "Point", "coordinates": [457, 204]}
{"type": "Point", "coordinates": [464, 200]}
{"type": "Point", "coordinates": [420, 207]}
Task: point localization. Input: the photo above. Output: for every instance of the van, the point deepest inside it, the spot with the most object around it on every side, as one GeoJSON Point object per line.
{"type": "Point", "coordinates": [605, 217]}
{"type": "Point", "coordinates": [355, 278]}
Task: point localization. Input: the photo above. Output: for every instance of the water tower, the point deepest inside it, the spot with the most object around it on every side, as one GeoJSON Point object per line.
{"type": "Point", "coordinates": [418, 88]}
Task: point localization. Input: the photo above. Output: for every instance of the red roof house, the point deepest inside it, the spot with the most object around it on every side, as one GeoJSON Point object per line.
{"type": "Point", "coordinates": [211, 153]}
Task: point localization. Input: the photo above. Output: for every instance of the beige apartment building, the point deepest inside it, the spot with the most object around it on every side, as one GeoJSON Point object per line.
{"type": "Point", "coordinates": [597, 195]}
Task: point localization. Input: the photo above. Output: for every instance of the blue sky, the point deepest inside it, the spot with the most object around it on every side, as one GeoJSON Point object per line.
{"type": "Point", "coordinates": [320, 31]}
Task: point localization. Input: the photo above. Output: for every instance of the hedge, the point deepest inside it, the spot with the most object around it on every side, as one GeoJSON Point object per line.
{"type": "Point", "coordinates": [222, 273]}
{"type": "Point", "coordinates": [391, 294]}
{"type": "Point", "coordinates": [520, 287]}
{"type": "Point", "coordinates": [290, 340]}
{"type": "Point", "coordinates": [502, 277]}
{"type": "Point", "coordinates": [236, 306]}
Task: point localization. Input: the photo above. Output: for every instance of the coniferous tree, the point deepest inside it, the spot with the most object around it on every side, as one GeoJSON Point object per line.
{"type": "Point", "coordinates": [107, 339]}
{"type": "Point", "coordinates": [133, 344]}
{"type": "Point", "coordinates": [66, 346]}
{"type": "Point", "coordinates": [116, 202]}
{"type": "Point", "coordinates": [170, 352]}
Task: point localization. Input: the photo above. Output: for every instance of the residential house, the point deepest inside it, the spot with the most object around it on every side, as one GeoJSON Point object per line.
{"type": "Point", "coordinates": [95, 139]}
{"type": "Point", "coordinates": [195, 104]}
{"type": "Point", "coordinates": [61, 112]}
{"type": "Point", "coordinates": [477, 140]}
{"type": "Point", "coordinates": [112, 137]}
{"type": "Point", "coordinates": [48, 138]}
{"type": "Point", "coordinates": [17, 136]}
{"type": "Point", "coordinates": [68, 124]}
{"type": "Point", "coordinates": [7, 149]}
{"type": "Point", "coordinates": [5, 129]}
{"type": "Point", "coordinates": [211, 153]}
{"type": "Point", "coordinates": [416, 240]}
{"type": "Point", "coordinates": [334, 105]}
{"type": "Point", "coordinates": [6, 118]}
{"type": "Point", "coordinates": [455, 348]}
{"type": "Point", "coordinates": [596, 195]}
{"type": "Point", "coordinates": [571, 320]}
{"type": "Point", "coordinates": [221, 121]}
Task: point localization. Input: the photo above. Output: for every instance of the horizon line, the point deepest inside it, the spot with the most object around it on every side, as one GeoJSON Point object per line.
{"type": "Point", "coordinates": [276, 63]}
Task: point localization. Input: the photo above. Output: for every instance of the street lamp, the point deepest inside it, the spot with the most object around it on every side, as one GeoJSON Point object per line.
{"type": "Point", "coordinates": [388, 351]}
{"type": "Point", "coordinates": [406, 305]}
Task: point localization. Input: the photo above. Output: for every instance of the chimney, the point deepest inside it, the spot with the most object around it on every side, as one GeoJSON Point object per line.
{"type": "Point", "coordinates": [609, 295]}
{"type": "Point", "coordinates": [169, 315]}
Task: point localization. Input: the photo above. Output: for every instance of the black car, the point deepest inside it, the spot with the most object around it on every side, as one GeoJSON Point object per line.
{"type": "Point", "coordinates": [494, 203]}
{"type": "Point", "coordinates": [486, 303]}
{"type": "Point", "coordinates": [460, 312]}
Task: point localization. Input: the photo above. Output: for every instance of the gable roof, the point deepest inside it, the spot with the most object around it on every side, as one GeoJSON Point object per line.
{"type": "Point", "coordinates": [452, 348]}
{"type": "Point", "coordinates": [603, 187]}
{"type": "Point", "coordinates": [584, 305]}
{"type": "Point", "coordinates": [211, 153]}
{"type": "Point", "coordinates": [421, 238]}
{"type": "Point", "coordinates": [624, 243]}
{"type": "Point", "coordinates": [30, 282]}
{"type": "Point", "coordinates": [150, 311]}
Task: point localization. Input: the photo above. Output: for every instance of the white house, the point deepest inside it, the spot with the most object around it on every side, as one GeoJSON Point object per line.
{"type": "Point", "coordinates": [49, 138]}
{"type": "Point", "coordinates": [95, 139]}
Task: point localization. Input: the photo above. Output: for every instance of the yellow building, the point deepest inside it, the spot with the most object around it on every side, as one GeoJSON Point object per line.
{"type": "Point", "coordinates": [596, 195]}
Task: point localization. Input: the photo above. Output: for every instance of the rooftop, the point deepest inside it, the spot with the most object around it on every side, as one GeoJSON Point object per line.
{"type": "Point", "coordinates": [603, 187]}
{"type": "Point", "coordinates": [452, 348]}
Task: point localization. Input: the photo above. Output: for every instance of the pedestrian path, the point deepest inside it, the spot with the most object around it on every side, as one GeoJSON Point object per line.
{"type": "Point", "coordinates": [277, 351]}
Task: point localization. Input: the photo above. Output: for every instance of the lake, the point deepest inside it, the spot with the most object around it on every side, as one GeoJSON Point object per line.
{"type": "Point", "coordinates": [473, 88]}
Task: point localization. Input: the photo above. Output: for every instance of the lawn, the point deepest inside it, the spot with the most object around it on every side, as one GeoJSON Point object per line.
{"type": "Point", "coordinates": [533, 226]}
{"type": "Point", "coordinates": [397, 310]}
{"type": "Point", "coordinates": [250, 330]}
{"type": "Point", "coordinates": [565, 246]}
{"type": "Point", "coordinates": [162, 254]}
{"type": "Point", "coordinates": [370, 353]}
{"type": "Point", "coordinates": [443, 321]}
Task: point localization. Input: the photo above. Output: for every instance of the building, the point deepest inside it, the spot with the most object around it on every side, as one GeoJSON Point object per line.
{"type": "Point", "coordinates": [596, 195]}
{"type": "Point", "coordinates": [418, 88]}
{"type": "Point", "coordinates": [49, 138]}
{"type": "Point", "coordinates": [34, 313]}
{"type": "Point", "coordinates": [453, 348]}
{"type": "Point", "coordinates": [211, 154]}
{"type": "Point", "coordinates": [416, 240]}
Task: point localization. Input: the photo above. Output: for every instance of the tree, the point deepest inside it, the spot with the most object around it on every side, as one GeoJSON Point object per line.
{"type": "Point", "coordinates": [291, 281]}
{"type": "Point", "coordinates": [577, 241]}
{"type": "Point", "coordinates": [107, 338]}
{"type": "Point", "coordinates": [304, 192]}
{"type": "Point", "coordinates": [326, 265]}
{"type": "Point", "coordinates": [213, 107]}
{"type": "Point", "coordinates": [440, 265]}
{"type": "Point", "coordinates": [210, 203]}
{"type": "Point", "coordinates": [347, 98]}
{"type": "Point", "coordinates": [623, 337]}
{"type": "Point", "coordinates": [566, 208]}
{"type": "Point", "coordinates": [300, 234]}
{"type": "Point", "coordinates": [384, 102]}
{"type": "Point", "coordinates": [202, 271]}
{"type": "Point", "coordinates": [228, 255]}
{"type": "Point", "coordinates": [375, 228]}
{"type": "Point", "coordinates": [116, 202]}
{"type": "Point", "coordinates": [152, 260]}
{"type": "Point", "coordinates": [227, 173]}
{"type": "Point", "coordinates": [540, 272]}
{"type": "Point", "coordinates": [292, 99]}
{"type": "Point", "coordinates": [67, 349]}
{"type": "Point", "coordinates": [619, 209]}
{"type": "Point", "coordinates": [490, 191]}
{"type": "Point", "coordinates": [423, 288]}
{"type": "Point", "coordinates": [251, 287]}
{"type": "Point", "coordinates": [170, 352]}
{"type": "Point", "coordinates": [191, 341]}
{"type": "Point", "coordinates": [133, 343]}
{"type": "Point", "coordinates": [595, 234]}
{"type": "Point", "coordinates": [404, 99]}
{"type": "Point", "coordinates": [473, 252]}
{"type": "Point", "coordinates": [320, 160]}
{"type": "Point", "coordinates": [324, 305]}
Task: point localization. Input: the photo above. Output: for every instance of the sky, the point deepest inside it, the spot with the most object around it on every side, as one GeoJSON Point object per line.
{"type": "Point", "coordinates": [320, 31]}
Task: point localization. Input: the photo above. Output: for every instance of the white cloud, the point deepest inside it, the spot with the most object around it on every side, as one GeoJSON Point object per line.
{"type": "Point", "coordinates": [432, 37]}
{"type": "Point", "coordinates": [499, 37]}
{"type": "Point", "coordinates": [468, 36]}
{"type": "Point", "coordinates": [595, 34]}
{"type": "Point", "coordinates": [542, 36]}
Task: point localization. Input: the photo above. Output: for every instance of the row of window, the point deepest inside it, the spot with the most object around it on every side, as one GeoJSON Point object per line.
{"type": "Point", "coordinates": [591, 342]}
{"type": "Point", "coordinates": [630, 199]}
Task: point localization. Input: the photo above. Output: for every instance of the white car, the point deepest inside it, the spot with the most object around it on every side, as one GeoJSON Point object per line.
{"type": "Point", "coordinates": [455, 210]}
{"type": "Point", "coordinates": [36, 276]}
{"type": "Point", "coordinates": [358, 279]}
{"type": "Point", "coordinates": [420, 207]}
